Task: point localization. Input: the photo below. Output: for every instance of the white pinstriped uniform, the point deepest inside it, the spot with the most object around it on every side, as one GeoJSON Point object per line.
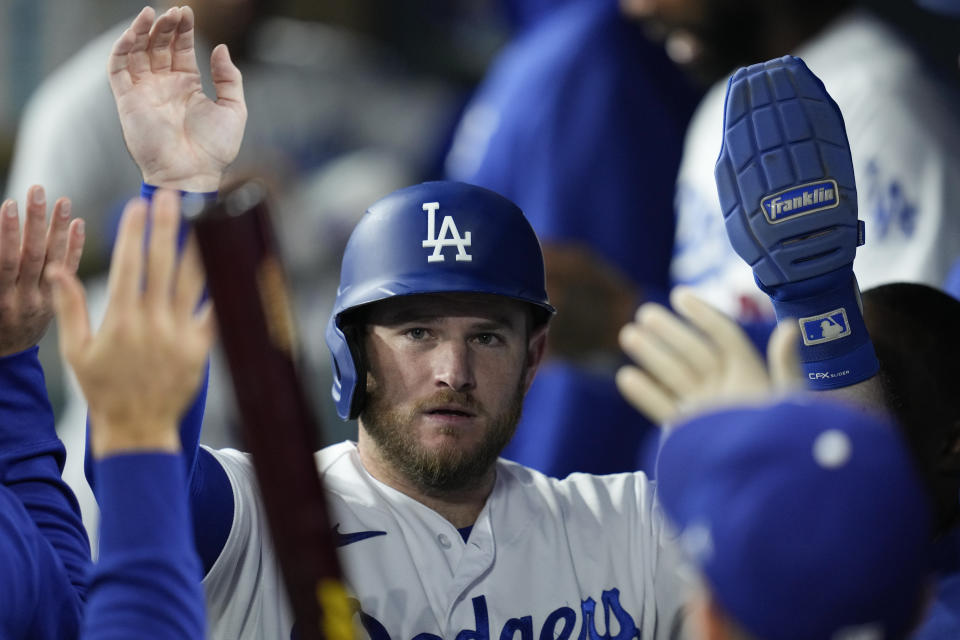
{"type": "Point", "coordinates": [582, 559]}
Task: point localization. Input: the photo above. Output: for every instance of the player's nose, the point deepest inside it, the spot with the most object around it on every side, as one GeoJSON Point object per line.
{"type": "Point", "coordinates": [453, 366]}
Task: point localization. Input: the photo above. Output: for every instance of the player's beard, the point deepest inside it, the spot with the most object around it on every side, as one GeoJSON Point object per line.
{"type": "Point", "coordinates": [447, 468]}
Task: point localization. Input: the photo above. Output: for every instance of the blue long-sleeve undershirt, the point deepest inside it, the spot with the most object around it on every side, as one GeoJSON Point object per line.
{"type": "Point", "coordinates": [32, 459]}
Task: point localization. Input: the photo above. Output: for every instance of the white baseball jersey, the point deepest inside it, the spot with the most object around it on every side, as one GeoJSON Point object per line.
{"type": "Point", "coordinates": [904, 137]}
{"type": "Point", "coordinates": [583, 558]}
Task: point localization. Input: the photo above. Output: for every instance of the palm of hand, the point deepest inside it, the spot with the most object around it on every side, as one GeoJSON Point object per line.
{"type": "Point", "coordinates": [175, 132]}
{"type": "Point", "coordinates": [140, 369]}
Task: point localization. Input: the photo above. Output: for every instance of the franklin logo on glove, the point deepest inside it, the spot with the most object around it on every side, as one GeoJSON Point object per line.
{"type": "Point", "coordinates": [807, 198]}
{"type": "Point", "coordinates": [785, 152]}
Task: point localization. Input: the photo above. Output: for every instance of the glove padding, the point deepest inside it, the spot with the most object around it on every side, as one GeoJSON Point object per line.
{"type": "Point", "coordinates": [786, 186]}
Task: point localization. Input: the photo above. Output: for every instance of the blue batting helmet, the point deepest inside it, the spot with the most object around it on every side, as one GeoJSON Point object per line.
{"type": "Point", "coordinates": [435, 237]}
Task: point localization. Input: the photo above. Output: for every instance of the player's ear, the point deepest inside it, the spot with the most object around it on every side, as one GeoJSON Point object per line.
{"type": "Point", "coordinates": [536, 347]}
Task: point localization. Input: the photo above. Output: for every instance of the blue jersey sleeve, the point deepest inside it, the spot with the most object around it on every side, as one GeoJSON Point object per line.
{"type": "Point", "coordinates": [38, 601]}
{"type": "Point", "coordinates": [32, 463]}
{"type": "Point", "coordinates": [211, 503]}
{"type": "Point", "coordinates": [147, 579]}
{"type": "Point", "coordinates": [211, 498]}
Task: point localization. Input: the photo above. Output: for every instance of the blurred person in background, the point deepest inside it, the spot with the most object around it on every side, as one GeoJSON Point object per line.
{"type": "Point", "coordinates": [580, 121]}
{"type": "Point", "coordinates": [900, 119]}
{"type": "Point", "coordinates": [805, 519]}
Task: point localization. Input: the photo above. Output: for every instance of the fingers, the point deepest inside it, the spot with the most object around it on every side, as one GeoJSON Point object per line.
{"type": "Point", "coordinates": [190, 280]}
{"type": "Point", "coordinates": [33, 247]}
{"type": "Point", "coordinates": [126, 264]}
{"type": "Point", "coordinates": [161, 37]}
{"type": "Point", "coordinates": [783, 356]}
{"type": "Point", "coordinates": [118, 63]}
{"type": "Point", "coordinates": [58, 232]}
{"type": "Point", "coordinates": [9, 244]}
{"type": "Point", "coordinates": [183, 54]}
{"type": "Point", "coordinates": [648, 348]}
{"type": "Point", "coordinates": [697, 353]}
{"type": "Point", "coordinates": [645, 395]}
{"type": "Point", "coordinates": [138, 57]}
{"type": "Point", "coordinates": [226, 77]}
{"type": "Point", "coordinates": [76, 236]}
{"type": "Point", "coordinates": [161, 256]}
{"type": "Point", "coordinates": [70, 305]}
{"type": "Point", "coordinates": [721, 330]}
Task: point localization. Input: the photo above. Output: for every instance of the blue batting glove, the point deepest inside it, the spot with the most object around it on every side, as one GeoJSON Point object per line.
{"type": "Point", "coordinates": [789, 200]}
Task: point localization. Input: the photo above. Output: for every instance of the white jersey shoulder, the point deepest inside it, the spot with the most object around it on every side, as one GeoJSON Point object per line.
{"type": "Point", "coordinates": [583, 558]}
{"type": "Point", "coordinates": [905, 141]}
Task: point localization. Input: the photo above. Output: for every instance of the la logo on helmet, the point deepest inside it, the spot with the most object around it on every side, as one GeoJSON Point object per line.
{"type": "Point", "coordinates": [449, 236]}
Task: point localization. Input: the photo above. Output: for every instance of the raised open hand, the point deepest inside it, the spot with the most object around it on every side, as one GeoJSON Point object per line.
{"type": "Point", "coordinates": [180, 138]}
{"type": "Point", "coordinates": [699, 359]}
{"type": "Point", "coordinates": [142, 367]}
{"type": "Point", "coordinates": [26, 304]}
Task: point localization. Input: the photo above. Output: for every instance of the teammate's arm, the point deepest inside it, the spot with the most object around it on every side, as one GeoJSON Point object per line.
{"type": "Point", "coordinates": [789, 202]}
{"type": "Point", "coordinates": [31, 455]}
{"type": "Point", "coordinates": [181, 139]}
{"type": "Point", "coordinates": [138, 372]}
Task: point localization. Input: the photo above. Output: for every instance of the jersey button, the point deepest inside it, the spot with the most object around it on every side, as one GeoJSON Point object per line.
{"type": "Point", "coordinates": [443, 540]}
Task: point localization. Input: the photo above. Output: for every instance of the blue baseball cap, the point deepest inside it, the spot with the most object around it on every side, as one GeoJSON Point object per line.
{"type": "Point", "coordinates": [805, 517]}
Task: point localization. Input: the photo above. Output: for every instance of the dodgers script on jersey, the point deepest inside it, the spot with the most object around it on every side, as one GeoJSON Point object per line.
{"type": "Point", "coordinates": [585, 558]}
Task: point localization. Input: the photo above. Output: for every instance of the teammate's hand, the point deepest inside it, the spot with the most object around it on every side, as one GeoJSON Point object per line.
{"type": "Point", "coordinates": [142, 367]}
{"type": "Point", "coordinates": [178, 137]}
{"type": "Point", "coordinates": [26, 303]}
{"type": "Point", "coordinates": [699, 360]}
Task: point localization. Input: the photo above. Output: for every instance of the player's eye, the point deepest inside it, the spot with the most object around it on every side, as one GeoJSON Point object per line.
{"type": "Point", "coordinates": [488, 339]}
{"type": "Point", "coordinates": [417, 333]}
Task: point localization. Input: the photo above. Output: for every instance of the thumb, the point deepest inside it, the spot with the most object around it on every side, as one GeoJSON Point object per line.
{"type": "Point", "coordinates": [70, 305]}
{"type": "Point", "coordinates": [783, 356]}
{"type": "Point", "coordinates": [226, 77]}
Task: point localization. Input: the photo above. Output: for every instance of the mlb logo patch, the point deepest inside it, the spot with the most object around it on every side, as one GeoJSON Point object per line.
{"type": "Point", "coordinates": [825, 327]}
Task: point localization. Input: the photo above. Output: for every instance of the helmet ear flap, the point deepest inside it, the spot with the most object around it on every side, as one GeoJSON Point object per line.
{"type": "Point", "coordinates": [349, 367]}
{"type": "Point", "coordinates": [354, 335]}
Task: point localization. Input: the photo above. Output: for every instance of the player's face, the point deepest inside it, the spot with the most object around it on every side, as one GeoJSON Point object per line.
{"type": "Point", "coordinates": [707, 37]}
{"type": "Point", "coordinates": [447, 376]}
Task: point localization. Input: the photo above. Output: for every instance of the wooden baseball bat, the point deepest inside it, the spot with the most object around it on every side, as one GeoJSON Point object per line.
{"type": "Point", "coordinates": [256, 326]}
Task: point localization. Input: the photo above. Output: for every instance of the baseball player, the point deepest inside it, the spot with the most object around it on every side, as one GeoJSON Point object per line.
{"type": "Point", "coordinates": [806, 521]}
{"type": "Point", "coordinates": [801, 253]}
{"type": "Point", "coordinates": [146, 576]}
{"type": "Point", "coordinates": [438, 328]}
{"type": "Point", "coordinates": [901, 121]}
